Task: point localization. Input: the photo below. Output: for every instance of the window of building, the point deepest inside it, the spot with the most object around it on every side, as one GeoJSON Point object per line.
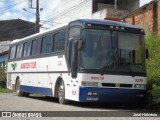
{"type": "Point", "coordinates": [36, 47]}
{"type": "Point", "coordinates": [59, 41]}
{"type": "Point", "coordinates": [13, 52]}
{"type": "Point", "coordinates": [27, 49]}
{"type": "Point", "coordinates": [98, 4]}
{"type": "Point", "coordinates": [47, 44]}
{"type": "Point", "coordinates": [19, 50]}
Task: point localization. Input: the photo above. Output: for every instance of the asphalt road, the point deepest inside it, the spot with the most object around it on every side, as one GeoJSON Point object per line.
{"type": "Point", "coordinates": [12, 102]}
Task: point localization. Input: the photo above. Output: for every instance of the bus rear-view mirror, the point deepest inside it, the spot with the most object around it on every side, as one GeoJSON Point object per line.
{"type": "Point", "coordinates": [74, 64]}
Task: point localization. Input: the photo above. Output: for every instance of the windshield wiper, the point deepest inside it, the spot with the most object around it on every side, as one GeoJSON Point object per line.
{"type": "Point", "coordinates": [106, 67]}
{"type": "Point", "coordinates": [109, 63]}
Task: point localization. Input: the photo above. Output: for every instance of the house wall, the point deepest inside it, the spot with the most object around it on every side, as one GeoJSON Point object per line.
{"type": "Point", "coordinates": [4, 46]}
{"type": "Point", "coordinates": [144, 18]}
{"type": "Point", "coordinates": [3, 60]}
{"type": "Point", "coordinates": [15, 29]}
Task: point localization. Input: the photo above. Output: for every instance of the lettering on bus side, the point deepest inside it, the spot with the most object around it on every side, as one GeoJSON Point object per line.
{"type": "Point", "coordinates": [33, 64]}
{"type": "Point", "coordinates": [74, 92]}
{"type": "Point", "coordinates": [59, 63]}
{"type": "Point", "coordinates": [28, 65]}
{"type": "Point", "coordinates": [97, 78]}
{"type": "Point", "coordinates": [25, 65]}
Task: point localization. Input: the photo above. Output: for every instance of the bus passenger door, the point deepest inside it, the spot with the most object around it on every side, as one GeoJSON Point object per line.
{"type": "Point", "coordinates": [73, 88]}
{"type": "Point", "coordinates": [72, 85]}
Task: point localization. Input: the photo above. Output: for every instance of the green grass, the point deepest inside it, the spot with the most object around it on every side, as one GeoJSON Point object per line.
{"type": "Point", "coordinates": [36, 95]}
{"type": "Point", "coordinates": [5, 90]}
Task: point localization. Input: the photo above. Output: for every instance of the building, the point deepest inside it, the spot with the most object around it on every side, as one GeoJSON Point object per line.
{"type": "Point", "coordinates": [145, 17]}
{"type": "Point", "coordinates": [4, 47]}
{"type": "Point", "coordinates": [68, 10]}
{"type": "Point", "coordinates": [11, 30]}
{"type": "Point", "coordinates": [15, 29]}
{"type": "Point", "coordinates": [3, 60]}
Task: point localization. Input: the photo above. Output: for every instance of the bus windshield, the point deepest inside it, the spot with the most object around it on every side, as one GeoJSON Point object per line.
{"type": "Point", "coordinates": [130, 52]}
{"type": "Point", "coordinates": [97, 52]}
{"type": "Point", "coordinates": [100, 51]}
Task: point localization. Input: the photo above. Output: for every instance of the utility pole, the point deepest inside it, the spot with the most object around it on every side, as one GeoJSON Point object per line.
{"type": "Point", "coordinates": [37, 16]}
{"type": "Point", "coordinates": [37, 27]}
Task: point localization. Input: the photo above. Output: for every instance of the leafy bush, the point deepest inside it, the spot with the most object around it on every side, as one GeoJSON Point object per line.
{"type": "Point", "coordinates": [153, 68]}
{"type": "Point", "coordinates": [3, 78]}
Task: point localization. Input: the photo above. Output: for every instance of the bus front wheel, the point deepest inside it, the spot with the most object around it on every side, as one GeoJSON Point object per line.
{"type": "Point", "coordinates": [61, 93]}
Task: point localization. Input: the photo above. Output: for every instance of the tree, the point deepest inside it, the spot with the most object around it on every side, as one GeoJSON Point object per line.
{"type": "Point", "coordinates": [3, 78]}
{"type": "Point", "coordinates": [153, 66]}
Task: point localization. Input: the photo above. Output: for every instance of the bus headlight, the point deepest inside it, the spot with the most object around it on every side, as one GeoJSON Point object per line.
{"type": "Point", "coordinates": [93, 84]}
{"type": "Point", "coordinates": [141, 86]}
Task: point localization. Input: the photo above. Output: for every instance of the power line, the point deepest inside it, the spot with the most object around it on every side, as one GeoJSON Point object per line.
{"type": "Point", "coordinates": [70, 9]}
{"type": "Point", "coordinates": [51, 18]}
{"type": "Point", "coordinates": [54, 17]}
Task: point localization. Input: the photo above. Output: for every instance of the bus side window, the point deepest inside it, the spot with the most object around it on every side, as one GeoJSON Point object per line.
{"type": "Point", "coordinates": [36, 47]}
{"type": "Point", "coordinates": [13, 52]}
{"type": "Point", "coordinates": [59, 41]}
{"type": "Point", "coordinates": [27, 49]}
{"type": "Point", "coordinates": [19, 50]}
{"type": "Point", "coordinates": [47, 44]}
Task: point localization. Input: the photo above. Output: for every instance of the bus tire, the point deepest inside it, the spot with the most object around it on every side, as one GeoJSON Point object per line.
{"type": "Point", "coordinates": [61, 93]}
{"type": "Point", "coordinates": [17, 88]}
{"type": "Point", "coordinates": [26, 94]}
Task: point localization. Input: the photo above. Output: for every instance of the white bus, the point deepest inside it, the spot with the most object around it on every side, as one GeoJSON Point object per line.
{"type": "Point", "coordinates": [85, 60]}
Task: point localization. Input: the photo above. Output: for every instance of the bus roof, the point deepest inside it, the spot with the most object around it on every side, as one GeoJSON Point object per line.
{"type": "Point", "coordinates": [105, 22]}
{"type": "Point", "coordinates": [81, 22]}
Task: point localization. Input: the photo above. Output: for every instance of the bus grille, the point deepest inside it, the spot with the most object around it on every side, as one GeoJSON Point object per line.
{"type": "Point", "coordinates": [117, 85]}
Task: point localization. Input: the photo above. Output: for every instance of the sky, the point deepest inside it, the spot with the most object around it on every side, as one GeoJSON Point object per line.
{"type": "Point", "coordinates": [13, 9]}
{"type": "Point", "coordinates": [142, 2]}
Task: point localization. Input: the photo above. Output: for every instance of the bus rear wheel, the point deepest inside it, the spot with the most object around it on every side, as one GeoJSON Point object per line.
{"type": "Point", "coordinates": [61, 93]}
{"type": "Point", "coordinates": [18, 92]}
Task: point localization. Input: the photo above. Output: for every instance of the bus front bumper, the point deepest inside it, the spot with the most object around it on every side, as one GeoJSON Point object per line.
{"type": "Point", "coordinates": [119, 95]}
